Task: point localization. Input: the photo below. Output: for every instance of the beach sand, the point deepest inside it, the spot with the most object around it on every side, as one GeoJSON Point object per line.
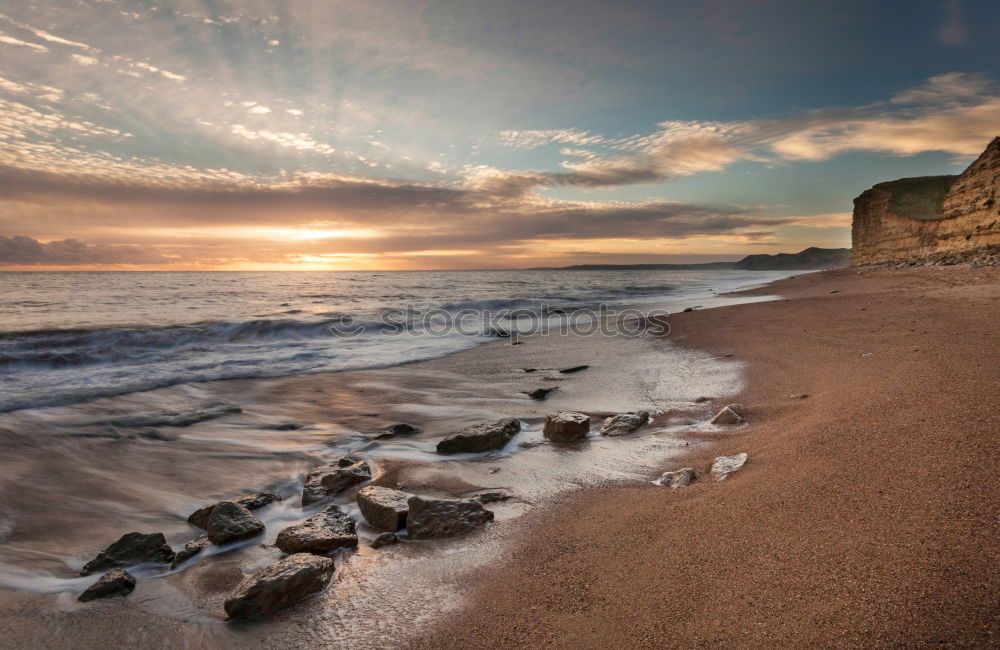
{"type": "Point", "coordinates": [867, 514]}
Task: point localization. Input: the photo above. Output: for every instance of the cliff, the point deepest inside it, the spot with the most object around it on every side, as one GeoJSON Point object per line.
{"type": "Point", "coordinates": [932, 219]}
{"type": "Point", "coordinates": [810, 258]}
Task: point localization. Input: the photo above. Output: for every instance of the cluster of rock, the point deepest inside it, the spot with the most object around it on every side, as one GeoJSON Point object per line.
{"type": "Point", "coordinates": [307, 569]}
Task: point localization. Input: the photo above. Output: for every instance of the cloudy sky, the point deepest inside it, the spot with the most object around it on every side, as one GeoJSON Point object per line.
{"type": "Point", "coordinates": [408, 134]}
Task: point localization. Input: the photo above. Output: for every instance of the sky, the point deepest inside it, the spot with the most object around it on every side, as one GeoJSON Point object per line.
{"type": "Point", "coordinates": [453, 134]}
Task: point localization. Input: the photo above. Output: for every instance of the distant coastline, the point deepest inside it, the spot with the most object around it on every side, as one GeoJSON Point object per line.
{"type": "Point", "coordinates": [809, 258]}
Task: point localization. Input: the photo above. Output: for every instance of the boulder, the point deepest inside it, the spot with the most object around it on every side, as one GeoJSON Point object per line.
{"type": "Point", "coordinates": [384, 539]}
{"type": "Point", "coordinates": [230, 522]}
{"type": "Point", "coordinates": [131, 548]}
{"type": "Point", "coordinates": [676, 479]}
{"type": "Point", "coordinates": [324, 532]}
{"type": "Point", "coordinates": [333, 479]}
{"type": "Point", "coordinates": [566, 426]}
{"type": "Point", "coordinates": [384, 508]}
{"type": "Point", "coordinates": [624, 423]}
{"type": "Point", "coordinates": [429, 518]}
{"type": "Point", "coordinates": [726, 465]}
{"type": "Point", "coordinates": [480, 437]}
{"type": "Point", "coordinates": [728, 415]}
{"type": "Point", "coordinates": [541, 393]}
{"type": "Point", "coordinates": [569, 371]}
{"type": "Point", "coordinates": [256, 501]}
{"type": "Point", "coordinates": [192, 548]}
{"type": "Point", "coordinates": [285, 582]}
{"type": "Point", "coordinates": [116, 582]}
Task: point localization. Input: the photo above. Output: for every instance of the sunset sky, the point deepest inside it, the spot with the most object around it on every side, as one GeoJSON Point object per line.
{"type": "Point", "coordinates": [426, 134]}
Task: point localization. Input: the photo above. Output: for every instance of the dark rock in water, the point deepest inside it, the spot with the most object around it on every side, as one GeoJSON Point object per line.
{"type": "Point", "coordinates": [384, 540]}
{"type": "Point", "coordinates": [332, 479]}
{"type": "Point", "coordinates": [541, 393]}
{"type": "Point", "coordinates": [395, 430]}
{"type": "Point", "coordinates": [429, 518]}
{"type": "Point", "coordinates": [480, 437]}
{"type": "Point", "coordinates": [688, 309]}
{"type": "Point", "coordinates": [131, 548]}
{"type": "Point", "coordinates": [384, 508]}
{"type": "Point", "coordinates": [624, 423]}
{"type": "Point", "coordinates": [230, 522]}
{"type": "Point", "coordinates": [323, 532]}
{"type": "Point", "coordinates": [285, 582]}
{"type": "Point", "coordinates": [530, 369]}
{"type": "Point", "coordinates": [567, 371]}
{"type": "Point", "coordinates": [116, 582]}
{"type": "Point", "coordinates": [345, 476]}
{"type": "Point", "coordinates": [156, 434]}
{"type": "Point", "coordinates": [255, 501]}
{"type": "Point", "coordinates": [566, 426]}
{"type": "Point", "coordinates": [192, 548]}
{"type": "Point", "coordinates": [489, 495]}
{"type": "Point", "coordinates": [702, 399]}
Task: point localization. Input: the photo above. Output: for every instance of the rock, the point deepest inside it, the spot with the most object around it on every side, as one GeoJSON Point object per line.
{"type": "Point", "coordinates": [702, 399]}
{"type": "Point", "coordinates": [688, 309]}
{"type": "Point", "coordinates": [395, 430]}
{"type": "Point", "coordinates": [567, 371]}
{"type": "Point", "coordinates": [116, 582]}
{"type": "Point", "coordinates": [566, 426]}
{"type": "Point", "coordinates": [728, 415]}
{"type": "Point", "coordinates": [283, 583]}
{"type": "Point", "coordinates": [489, 495]}
{"type": "Point", "coordinates": [333, 479]}
{"type": "Point", "coordinates": [429, 518]}
{"type": "Point", "coordinates": [156, 434]}
{"type": "Point", "coordinates": [726, 465]}
{"type": "Point", "coordinates": [230, 522]}
{"type": "Point", "coordinates": [799, 396]}
{"type": "Point", "coordinates": [256, 501]}
{"type": "Point", "coordinates": [325, 531]}
{"type": "Point", "coordinates": [192, 548]}
{"type": "Point", "coordinates": [384, 540]}
{"type": "Point", "coordinates": [131, 548]}
{"type": "Point", "coordinates": [541, 393]}
{"type": "Point", "coordinates": [677, 478]}
{"type": "Point", "coordinates": [384, 508]}
{"type": "Point", "coordinates": [480, 437]}
{"type": "Point", "coordinates": [624, 423]}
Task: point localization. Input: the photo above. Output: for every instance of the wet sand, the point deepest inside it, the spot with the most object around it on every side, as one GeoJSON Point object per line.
{"type": "Point", "coordinates": [867, 514]}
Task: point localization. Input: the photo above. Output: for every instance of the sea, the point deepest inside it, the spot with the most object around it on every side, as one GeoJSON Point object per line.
{"type": "Point", "coordinates": [68, 337]}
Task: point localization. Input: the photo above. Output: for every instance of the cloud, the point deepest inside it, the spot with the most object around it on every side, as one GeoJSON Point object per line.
{"type": "Point", "coordinates": [10, 40]}
{"type": "Point", "coordinates": [953, 112]}
{"type": "Point", "coordinates": [532, 139]}
{"type": "Point", "coordinates": [166, 73]}
{"type": "Point", "coordinates": [46, 36]}
{"type": "Point", "coordinates": [26, 251]}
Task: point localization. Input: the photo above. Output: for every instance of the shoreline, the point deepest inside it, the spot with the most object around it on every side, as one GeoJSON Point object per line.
{"type": "Point", "coordinates": [123, 482]}
{"type": "Point", "coordinates": [866, 514]}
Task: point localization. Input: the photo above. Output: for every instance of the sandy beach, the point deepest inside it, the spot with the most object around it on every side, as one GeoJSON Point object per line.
{"type": "Point", "coordinates": [866, 514]}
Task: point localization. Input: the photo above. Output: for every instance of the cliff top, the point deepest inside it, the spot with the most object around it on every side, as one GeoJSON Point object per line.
{"type": "Point", "coordinates": [919, 198]}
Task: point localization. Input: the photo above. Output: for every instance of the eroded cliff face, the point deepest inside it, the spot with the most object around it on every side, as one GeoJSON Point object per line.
{"type": "Point", "coordinates": [932, 220]}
